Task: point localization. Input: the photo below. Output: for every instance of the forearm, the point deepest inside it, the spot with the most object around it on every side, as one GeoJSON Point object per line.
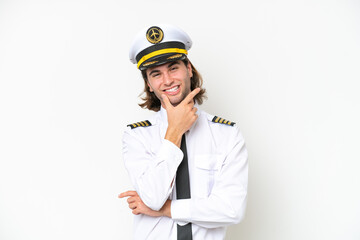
{"type": "Point", "coordinates": [210, 212]}
{"type": "Point", "coordinates": [225, 202]}
{"type": "Point", "coordinates": [174, 136]}
{"type": "Point", "coordinates": [153, 176]}
{"type": "Point", "coordinates": [155, 185]}
{"type": "Point", "coordinates": [166, 209]}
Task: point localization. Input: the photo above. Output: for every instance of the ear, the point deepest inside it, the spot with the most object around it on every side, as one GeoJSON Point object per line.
{"type": "Point", "coordinates": [189, 69]}
{"type": "Point", "coordinates": [150, 88]}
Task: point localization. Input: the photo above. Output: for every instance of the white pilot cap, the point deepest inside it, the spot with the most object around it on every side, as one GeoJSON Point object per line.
{"type": "Point", "coordinates": [158, 44]}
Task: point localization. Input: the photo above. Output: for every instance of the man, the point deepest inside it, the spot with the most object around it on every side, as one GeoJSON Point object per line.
{"type": "Point", "coordinates": [189, 168]}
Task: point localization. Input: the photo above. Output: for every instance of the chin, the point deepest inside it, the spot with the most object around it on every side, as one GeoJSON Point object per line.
{"type": "Point", "coordinates": [175, 103]}
{"type": "Point", "coordinates": [175, 100]}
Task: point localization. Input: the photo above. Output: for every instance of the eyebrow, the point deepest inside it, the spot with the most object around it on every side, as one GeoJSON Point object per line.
{"type": "Point", "coordinates": [173, 63]}
{"type": "Point", "coordinates": [153, 71]}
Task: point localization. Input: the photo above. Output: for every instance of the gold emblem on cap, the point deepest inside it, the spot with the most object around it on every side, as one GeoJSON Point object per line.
{"type": "Point", "coordinates": [154, 35]}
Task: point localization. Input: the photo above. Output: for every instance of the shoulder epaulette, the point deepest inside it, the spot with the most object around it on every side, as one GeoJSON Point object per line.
{"type": "Point", "coordinates": [145, 123]}
{"type": "Point", "coordinates": [217, 119]}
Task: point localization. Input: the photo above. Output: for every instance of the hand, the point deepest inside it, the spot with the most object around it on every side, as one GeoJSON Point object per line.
{"type": "Point", "coordinates": [181, 117]}
{"type": "Point", "coordinates": [138, 206]}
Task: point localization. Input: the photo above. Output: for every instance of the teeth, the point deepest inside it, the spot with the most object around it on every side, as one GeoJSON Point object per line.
{"type": "Point", "coordinates": [172, 89]}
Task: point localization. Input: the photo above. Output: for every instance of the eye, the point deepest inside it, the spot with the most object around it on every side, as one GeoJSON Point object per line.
{"type": "Point", "coordinates": [173, 68]}
{"type": "Point", "coordinates": [154, 75]}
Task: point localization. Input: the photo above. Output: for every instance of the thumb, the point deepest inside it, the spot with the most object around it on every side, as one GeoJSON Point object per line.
{"type": "Point", "coordinates": [166, 101]}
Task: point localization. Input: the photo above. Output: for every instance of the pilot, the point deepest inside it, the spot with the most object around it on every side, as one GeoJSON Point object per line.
{"type": "Point", "coordinates": [189, 169]}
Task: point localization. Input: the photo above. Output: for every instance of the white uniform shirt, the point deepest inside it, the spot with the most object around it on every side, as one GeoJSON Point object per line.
{"type": "Point", "coordinates": [218, 172]}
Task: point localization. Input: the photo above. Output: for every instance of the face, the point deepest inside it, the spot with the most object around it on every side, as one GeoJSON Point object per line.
{"type": "Point", "coordinates": [171, 79]}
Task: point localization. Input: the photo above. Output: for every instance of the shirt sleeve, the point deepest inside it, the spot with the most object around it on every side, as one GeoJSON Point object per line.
{"type": "Point", "coordinates": [226, 203]}
{"type": "Point", "coordinates": [152, 174]}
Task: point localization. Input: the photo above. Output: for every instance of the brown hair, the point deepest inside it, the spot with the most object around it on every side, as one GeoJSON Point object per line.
{"type": "Point", "coordinates": [151, 102]}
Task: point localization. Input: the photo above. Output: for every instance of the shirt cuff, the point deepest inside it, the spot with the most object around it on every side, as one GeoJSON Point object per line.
{"type": "Point", "coordinates": [169, 150]}
{"type": "Point", "coordinates": [180, 211]}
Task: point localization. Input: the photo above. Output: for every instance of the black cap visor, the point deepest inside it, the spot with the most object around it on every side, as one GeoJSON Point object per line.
{"type": "Point", "coordinates": [162, 59]}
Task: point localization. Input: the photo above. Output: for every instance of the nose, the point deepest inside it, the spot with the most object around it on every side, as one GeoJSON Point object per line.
{"type": "Point", "coordinates": [167, 79]}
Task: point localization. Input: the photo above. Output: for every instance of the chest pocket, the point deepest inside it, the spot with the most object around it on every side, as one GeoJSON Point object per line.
{"type": "Point", "coordinates": [206, 170]}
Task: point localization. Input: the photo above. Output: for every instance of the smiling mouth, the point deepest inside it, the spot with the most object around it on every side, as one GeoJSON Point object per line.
{"type": "Point", "coordinates": [172, 90]}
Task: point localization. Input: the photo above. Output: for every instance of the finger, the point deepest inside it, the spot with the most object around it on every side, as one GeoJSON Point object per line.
{"type": "Point", "coordinates": [191, 104]}
{"type": "Point", "coordinates": [127, 194]}
{"type": "Point", "coordinates": [132, 205]}
{"type": "Point", "coordinates": [135, 212]}
{"type": "Point", "coordinates": [190, 96]}
{"type": "Point", "coordinates": [166, 101]}
{"type": "Point", "coordinates": [131, 199]}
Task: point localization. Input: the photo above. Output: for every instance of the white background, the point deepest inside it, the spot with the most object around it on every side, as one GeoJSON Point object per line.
{"type": "Point", "coordinates": [286, 71]}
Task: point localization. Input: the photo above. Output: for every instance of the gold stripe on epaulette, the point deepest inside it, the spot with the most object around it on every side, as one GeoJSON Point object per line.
{"type": "Point", "coordinates": [217, 119]}
{"type": "Point", "coordinates": [145, 123]}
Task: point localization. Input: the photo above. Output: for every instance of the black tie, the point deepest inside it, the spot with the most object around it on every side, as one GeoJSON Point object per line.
{"type": "Point", "coordinates": [183, 190]}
